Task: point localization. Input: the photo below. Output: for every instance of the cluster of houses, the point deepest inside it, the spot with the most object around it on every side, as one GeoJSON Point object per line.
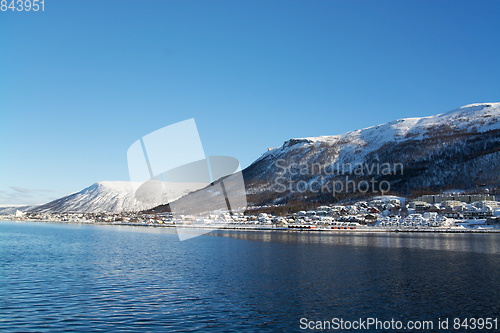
{"type": "Point", "coordinates": [460, 207]}
{"type": "Point", "coordinates": [429, 211]}
{"type": "Point", "coordinates": [428, 219]}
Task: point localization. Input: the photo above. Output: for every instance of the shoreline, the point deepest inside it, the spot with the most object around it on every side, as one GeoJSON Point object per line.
{"type": "Point", "coordinates": [446, 230]}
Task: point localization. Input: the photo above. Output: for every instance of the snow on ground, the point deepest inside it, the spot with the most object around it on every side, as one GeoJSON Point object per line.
{"type": "Point", "coordinates": [485, 115]}
{"type": "Point", "coordinates": [385, 198]}
{"type": "Point", "coordinates": [479, 117]}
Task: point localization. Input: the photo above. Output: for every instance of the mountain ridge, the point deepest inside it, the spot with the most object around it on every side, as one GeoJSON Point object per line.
{"type": "Point", "coordinates": [456, 149]}
{"type": "Point", "coordinates": [420, 143]}
{"type": "Point", "coordinates": [410, 124]}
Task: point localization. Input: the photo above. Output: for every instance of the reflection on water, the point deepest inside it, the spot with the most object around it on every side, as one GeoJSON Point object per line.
{"type": "Point", "coordinates": [480, 243]}
{"type": "Point", "coordinates": [57, 277]}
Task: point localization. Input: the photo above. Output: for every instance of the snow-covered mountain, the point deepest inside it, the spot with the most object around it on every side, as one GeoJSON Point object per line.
{"type": "Point", "coordinates": [459, 149]}
{"type": "Point", "coordinates": [107, 196]}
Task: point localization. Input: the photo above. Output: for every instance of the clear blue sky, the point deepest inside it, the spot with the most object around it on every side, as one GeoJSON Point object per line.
{"type": "Point", "coordinates": [81, 81]}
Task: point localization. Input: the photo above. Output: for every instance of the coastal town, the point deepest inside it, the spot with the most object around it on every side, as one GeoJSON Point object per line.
{"type": "Point", "coordinates": [450, 212]}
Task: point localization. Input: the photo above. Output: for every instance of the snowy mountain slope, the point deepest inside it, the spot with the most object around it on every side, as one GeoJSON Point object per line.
{"type": "Point", "coordinates": [459, 147]}
{"type": "Point", "coordinates": [107, 196]}
{"type": "Point", "coordinates": [481, 117]}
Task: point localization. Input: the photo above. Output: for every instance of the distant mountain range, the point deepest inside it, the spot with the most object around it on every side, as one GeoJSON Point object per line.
{"type": "Point", "coordinates": [459, 149]}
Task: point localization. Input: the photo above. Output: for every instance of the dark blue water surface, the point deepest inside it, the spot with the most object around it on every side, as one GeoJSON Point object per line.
{"type": "Point", "coordinates": [61, 277]}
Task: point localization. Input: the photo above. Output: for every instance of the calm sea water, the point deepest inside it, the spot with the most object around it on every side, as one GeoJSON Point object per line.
{"type": "Point", "coordinates": [59, 277]}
